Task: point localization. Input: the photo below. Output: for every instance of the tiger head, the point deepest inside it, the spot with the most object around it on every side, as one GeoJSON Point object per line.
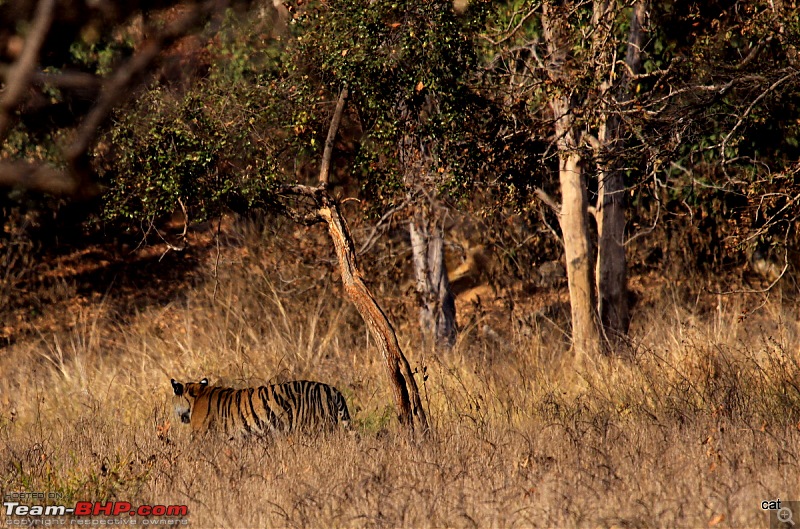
{"type": "Point", "coordinates": [185, 397]}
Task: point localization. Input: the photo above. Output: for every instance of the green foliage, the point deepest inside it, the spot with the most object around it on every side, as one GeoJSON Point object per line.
{"type": "Point", "coordinates": [375, 421]}
{"type": "Point", "coordinates": [100, 55]}
{"type": "Point", "coordinates": [389, 53]}
{"type": "Point", "coordinates": [406, 65]}
{"type": "Point", "coordinates": [207, 149]}
{"type": "Point", "coordinates": [454, 105]}
{"type": "Point", "coordinates": [735, 110]}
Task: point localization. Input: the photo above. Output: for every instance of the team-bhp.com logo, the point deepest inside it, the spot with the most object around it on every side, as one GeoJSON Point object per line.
{"type": "Point", "coordinates": [89, 513]}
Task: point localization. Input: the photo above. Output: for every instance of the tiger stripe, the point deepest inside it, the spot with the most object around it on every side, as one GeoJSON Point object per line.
{"type": "Point", "coordinates": [300, 405]}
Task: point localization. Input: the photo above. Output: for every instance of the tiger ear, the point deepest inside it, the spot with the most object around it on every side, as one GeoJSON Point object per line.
{"type": "Point", "coordinates": [177, 387]}
{"type": "Point", "coordinates": [204, 382]}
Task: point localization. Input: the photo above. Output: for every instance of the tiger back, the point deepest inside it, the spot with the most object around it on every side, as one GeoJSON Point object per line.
{"type": "Point", "coordinates": [301, 405]}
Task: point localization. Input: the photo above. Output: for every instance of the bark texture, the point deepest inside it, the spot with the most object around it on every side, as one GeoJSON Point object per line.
{"type": "Point", "coordinates": [612, 280]}
{"type": "Point", "coordinates": [437, 311]}
{"type": "Point", "coordinates": [325, 208]}
{"type": "Point", "coordinates": [406, 394]}
{"type": "Point", "coordinates": [574, 198]}
{"type": "Point", "coordinates": [577, 244]}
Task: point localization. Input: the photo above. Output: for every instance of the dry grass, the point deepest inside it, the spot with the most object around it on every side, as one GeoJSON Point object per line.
{"type": "Point", "coordinates": [699, 427]}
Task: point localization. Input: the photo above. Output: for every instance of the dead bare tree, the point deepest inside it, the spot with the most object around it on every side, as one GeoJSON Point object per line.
{"type": "Point", "coordinates": [325, 209]}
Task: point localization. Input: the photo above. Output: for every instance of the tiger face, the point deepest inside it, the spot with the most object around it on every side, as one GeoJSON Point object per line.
{"type": "Point", "coordinates": [185, 399]}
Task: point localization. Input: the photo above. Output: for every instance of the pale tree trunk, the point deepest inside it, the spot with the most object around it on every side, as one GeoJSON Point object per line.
{"type": "Point", "coordinates": [612, 282]}
{"type": "Point", "coordinates": [574, 228]}
{"type": "Point", "coordinates": [437, 308]}
{"type": "Point", "coordinates": [437, 311]}
{"type": "Point", "coordinates": [598, 291]}
{"type": "Point", "coordinates": [574, 196]}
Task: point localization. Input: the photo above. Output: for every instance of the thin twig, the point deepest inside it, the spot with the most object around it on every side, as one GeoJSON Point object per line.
{"type": "Point", "coordinates": [216, 261]}
{"type": "Point", "coordinates": [549, 201]}
{"type": "Point", "coordinates": [761, 96]}
{"type": "Point", "coordinates": [511, 32]}
{"type": "Point", "coordinates": [646, 231]}
{"type": "Point", "coordinates": [373, 236]}
{"type": "Point", "coordinates": [773, 283]}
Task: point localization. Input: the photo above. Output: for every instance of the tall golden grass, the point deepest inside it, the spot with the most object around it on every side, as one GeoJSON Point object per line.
{"type": "Point", "coordinates": [696, 426]}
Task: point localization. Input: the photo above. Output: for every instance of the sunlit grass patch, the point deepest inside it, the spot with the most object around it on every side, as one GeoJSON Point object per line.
{"type": "Point", "coordinates": [691, 424]}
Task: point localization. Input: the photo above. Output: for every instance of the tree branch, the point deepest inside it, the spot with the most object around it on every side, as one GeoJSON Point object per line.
{"type": "Point", "coordinates": [67, 80]}
{"type": "Point", "coordinates": [549, 201]}
{"type": "Point", "coordinates": [122, 80]}
{"type": "Point", "coordinates": [37, 177]}
{"type": "Point", "coordinates": [77, 179]}
{"type": "Point", "coordinates": [325, 165]}
{"type": "Point", "coordinates": [20, 74]}
{"type": "Point", "coordinates": [723, 144]}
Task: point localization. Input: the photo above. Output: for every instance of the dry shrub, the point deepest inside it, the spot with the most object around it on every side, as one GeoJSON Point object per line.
{"type": "Point", "coordinates": [699, 425]}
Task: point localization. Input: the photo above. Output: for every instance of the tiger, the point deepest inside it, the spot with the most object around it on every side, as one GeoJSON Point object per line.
{"type": "Point", "coordinates": [298, 406]}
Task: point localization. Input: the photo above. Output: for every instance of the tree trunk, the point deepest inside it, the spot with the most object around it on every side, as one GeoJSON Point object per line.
{"type": "Point", "coordinates": [612, 280]}
{"type": "Point", "coordinates": [437, 310]}
{"type": "Point", "coordinates": [406, 393]}
{"type": "Point", "coordinates": [577, 246]}
{"type": "Point", "coordinates": [574, 196]}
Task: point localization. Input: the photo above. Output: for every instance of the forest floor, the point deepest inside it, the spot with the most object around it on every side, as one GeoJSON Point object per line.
{"type": "Point", "coordinates": [694, 424]}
